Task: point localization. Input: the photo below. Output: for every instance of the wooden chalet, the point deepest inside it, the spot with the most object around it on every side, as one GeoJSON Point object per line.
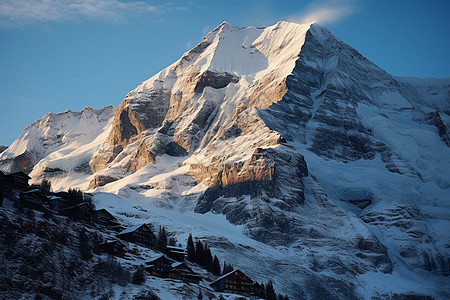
{"type": "Point", "coordinates": [176, 253]}
{"type": "Point", "coordinates": [33, 199]}
{"type": "Point", "coordinates": [56, 203]}
{"type": "Point", "coordinates": [159, 266]}
{"type": "Point", "coordinates": [113, 247]}
{"type": "Point", "coordinates": [104, 217]}
{"type": "Point", "coordinates": [139, 234]}
{"type": "Point", "coordinates": [18, 180]}
{"type": "Point", "coordinates": [164, 267]}
{"type": "Point", "coordinates": [182, 271]}
{"type": "Point", "coordinates": [81, 212]}
{"type": "Point", "coordinates": [235, 282]}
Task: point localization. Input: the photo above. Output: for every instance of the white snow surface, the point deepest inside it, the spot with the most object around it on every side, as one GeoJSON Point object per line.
{"type": "Point", "coordinates": [164, 193]}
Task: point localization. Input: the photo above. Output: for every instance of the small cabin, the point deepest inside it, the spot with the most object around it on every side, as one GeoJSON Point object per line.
{"type": "Point", "coordinates": [176, 253]}
{"type": "Point", "coordinates": [104, 217]}
{"type": "Point", "coordinates": [159, 266]}
{"type": "Point", "coordinates": [139, 234]}
{"type": "Point", "coordinates": [33, 199]}
{"type": "Point", "coordinates": [235, 282]}
{"type": "Point", "coordinates": [18, 180]}
{"type": "Point", "coordinates": [182, 272]}
{"type": "Point", "coordinates": [164, 267]}
{"type": "Point", "coordinates": [81, 212]}
{"type": "Point", "coordinates": [113, 247]}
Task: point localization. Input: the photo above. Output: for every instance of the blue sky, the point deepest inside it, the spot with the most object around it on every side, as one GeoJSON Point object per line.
{"type": "Point", "coordinates": [68, 54]}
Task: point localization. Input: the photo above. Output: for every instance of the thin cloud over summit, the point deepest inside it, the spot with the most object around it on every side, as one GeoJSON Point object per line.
{"type": "Point", "coordinates": [325, 12]}
{"type": "Point", "coordinates": [16, 13]}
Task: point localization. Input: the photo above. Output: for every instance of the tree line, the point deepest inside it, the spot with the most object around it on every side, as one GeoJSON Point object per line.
{"type": "Point", "coordinates": [201, 254]}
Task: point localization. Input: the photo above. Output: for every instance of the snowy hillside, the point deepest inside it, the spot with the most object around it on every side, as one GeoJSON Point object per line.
{"type": "Point", "coordinates": [59, 146]}
{"type": "Point", "coordinates": [295, 157]}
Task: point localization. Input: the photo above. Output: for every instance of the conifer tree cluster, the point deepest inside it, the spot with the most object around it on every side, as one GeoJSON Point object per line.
{"type": "Point", "coordinates": [268, 292]}
{"type": "Point", "coordinates": [201, 254]}
{"type": "Point", "coordinates": [76, 196]}
{"type": "Point", "coordinates": [164, 239]}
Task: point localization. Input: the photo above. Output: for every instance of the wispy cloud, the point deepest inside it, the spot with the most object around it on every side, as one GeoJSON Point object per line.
{"type": "Point", "coordinates": [15, 13]}
{"type": "Point", "coordinates": [325, 12]}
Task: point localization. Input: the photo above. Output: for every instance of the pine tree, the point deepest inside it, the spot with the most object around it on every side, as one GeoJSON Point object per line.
{"type": "Point", "coordinates": [270, 291]}
{"type": "Point", "coordinates": [74, 197]}
{"type": "Point", "coordinates": [216, 266]}
{"type": "Point", "coordinates": [190, 248]}
{"type": "Point", "coordinates": [200, 295]}
{"type": "Point", "coordinates": [162, 239]}
{"type": "Point", "coordinates": [207, 258]}
{"type": "Point", "coordinates": [138, 276]}
{"type": "Point", "coordinates": [199, 253]}
{"type": "Point", "coordinates": [262, 291]}
{"type": "Point", "coordinates": [172, 241]}
{"type": "Point", "coordinates": [46, 186]}
{"type": "Point", "coordinates": [227, 268]}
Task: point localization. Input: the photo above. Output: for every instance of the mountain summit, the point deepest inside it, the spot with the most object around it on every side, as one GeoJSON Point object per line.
{"type": "Point", "coordinates": [335, 171]}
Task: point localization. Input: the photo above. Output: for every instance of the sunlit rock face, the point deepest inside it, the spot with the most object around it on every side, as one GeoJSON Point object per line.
{"type": "Point", "coordinates": [295, 137]}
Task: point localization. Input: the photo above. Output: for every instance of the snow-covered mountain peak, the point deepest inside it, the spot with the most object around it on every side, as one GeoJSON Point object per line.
{"type": "Point", "coordinates": [293, 136]}
{"type": "Point", "coordinates": [57, 135]}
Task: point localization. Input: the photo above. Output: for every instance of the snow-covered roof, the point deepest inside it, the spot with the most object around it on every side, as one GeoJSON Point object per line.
{"type": "Point", "coordinates": [175, 248]}
{"type": "Point", "coordinates": [131, 229]}
{"type": "Point", "coordinates": [178, 252]}
{"type": "Point", "coordinates": [78, 205]}
{"type": "Point", "coordinates": [155, 258]}
{"type": "Point", "coordinates": [114, 241]}
{"type": "Point", "coordinates": [223, 276]}
{"type": "Point", "coordinates": [32, 191]}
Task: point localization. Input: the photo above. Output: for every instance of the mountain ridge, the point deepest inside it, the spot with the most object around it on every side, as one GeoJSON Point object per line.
{"type": "Point", "coordinates": [279, 129]}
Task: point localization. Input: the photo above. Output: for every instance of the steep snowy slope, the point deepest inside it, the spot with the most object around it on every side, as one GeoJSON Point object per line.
{"type": "Point", "coordinates": [282, 146]}
{"type": "Point", "coordinates": [59, 146]}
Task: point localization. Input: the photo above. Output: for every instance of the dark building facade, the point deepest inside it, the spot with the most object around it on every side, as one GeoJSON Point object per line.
{"type": "Point", "coordinates": [18, 180]}
{"type": "Point", "coordinates": [33, 199]}
{"type": "Point", "coordinates": [139, 234]}
{"type": "Point", "coordinates": [104, 217]}
{"type": "Point", "coordinates": [81, 212]}
{"type": "Point", "coordinates": [235, 282]}
{"type": "Point", "coordinates": [113, 247]}
{"type": "Point", "coordinates": [167, 268]}
{"type": "Point", "coordinates": [176, 253]}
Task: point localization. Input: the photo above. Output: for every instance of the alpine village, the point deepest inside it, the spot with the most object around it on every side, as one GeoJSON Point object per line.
{"type": "Point", "coordinates": [35, 209]}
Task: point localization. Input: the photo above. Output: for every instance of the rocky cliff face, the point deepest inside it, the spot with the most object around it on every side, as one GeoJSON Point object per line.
{"type": "Point", "coordinates": [298, 140]}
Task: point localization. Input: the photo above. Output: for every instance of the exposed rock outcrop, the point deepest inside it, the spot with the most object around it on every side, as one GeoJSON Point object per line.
{"type": "Point", "coordinates": [100, 180]}
{"type": "Point", "coordinates": [214, 80]}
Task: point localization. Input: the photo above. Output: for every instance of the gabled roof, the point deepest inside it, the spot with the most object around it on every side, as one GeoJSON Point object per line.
{"type": "Point", "coordinates": [32, 191]}
{"type": "Point", "coordinates": [175, 248]}
{"type": "Point", "coordinates": [35, 192]}
{"type": "Point", "coordinates": [151, 262]}
{"type": "Point", "coordinates": [228, 274]}
{"type": "Point", "coordinates": [104, 210]}
{"type": "Point", "coordinates": [133, 228]}
{"type": "Point", "coordinates": [79, 205]}
{"type": "Point", "coordinates": [17, 173]}
{"type": "Point", "coordinates": [181, 265]}
{"type": "Point", "coordinates": [114, 241]}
